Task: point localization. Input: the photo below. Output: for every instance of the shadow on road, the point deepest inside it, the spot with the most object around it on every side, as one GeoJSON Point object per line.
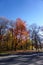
{"type": "Point", "coordinates": [22, 60]}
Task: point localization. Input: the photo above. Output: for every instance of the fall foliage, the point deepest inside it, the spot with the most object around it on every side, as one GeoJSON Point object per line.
{"type": "Point", "coordinates": [14, 35]}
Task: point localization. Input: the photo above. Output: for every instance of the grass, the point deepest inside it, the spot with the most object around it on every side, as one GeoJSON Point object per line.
{"type": "Point", "coordinates": [15, 52]}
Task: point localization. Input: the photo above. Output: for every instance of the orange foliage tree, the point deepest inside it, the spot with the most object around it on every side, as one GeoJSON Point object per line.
{"type": "Point", "coordinates": [20, 32]}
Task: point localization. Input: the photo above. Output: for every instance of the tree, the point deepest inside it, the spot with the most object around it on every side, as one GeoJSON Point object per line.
{"type": "Point", "coordinates": [3, 26]}
{"type": "Point", "coordinates": [34, 35]}
{"type": "Point", "coordinates": [20, 32]}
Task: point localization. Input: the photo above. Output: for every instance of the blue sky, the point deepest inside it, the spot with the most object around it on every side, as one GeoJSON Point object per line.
{"type": "Point", "coordinates": [29, 10]}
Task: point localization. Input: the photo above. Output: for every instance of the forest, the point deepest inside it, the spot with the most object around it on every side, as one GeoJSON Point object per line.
{"type": "Point", "coordinates": [14, 35]}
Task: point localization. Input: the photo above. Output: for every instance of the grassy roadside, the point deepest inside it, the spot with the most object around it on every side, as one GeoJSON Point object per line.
{"type": "Point", "coordinates": [15, 52]}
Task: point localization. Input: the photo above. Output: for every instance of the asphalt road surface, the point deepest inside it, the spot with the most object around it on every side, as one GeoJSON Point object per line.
{"type": "Point", "coordinates": [32, 59]}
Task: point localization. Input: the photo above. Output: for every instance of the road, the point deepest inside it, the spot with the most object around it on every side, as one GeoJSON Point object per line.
{"type": "Point", "coordinates": [32, 59]}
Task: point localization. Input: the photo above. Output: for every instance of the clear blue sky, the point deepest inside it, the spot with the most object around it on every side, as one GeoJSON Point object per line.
{"type": "Point", "coordinates": [28, 10]}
